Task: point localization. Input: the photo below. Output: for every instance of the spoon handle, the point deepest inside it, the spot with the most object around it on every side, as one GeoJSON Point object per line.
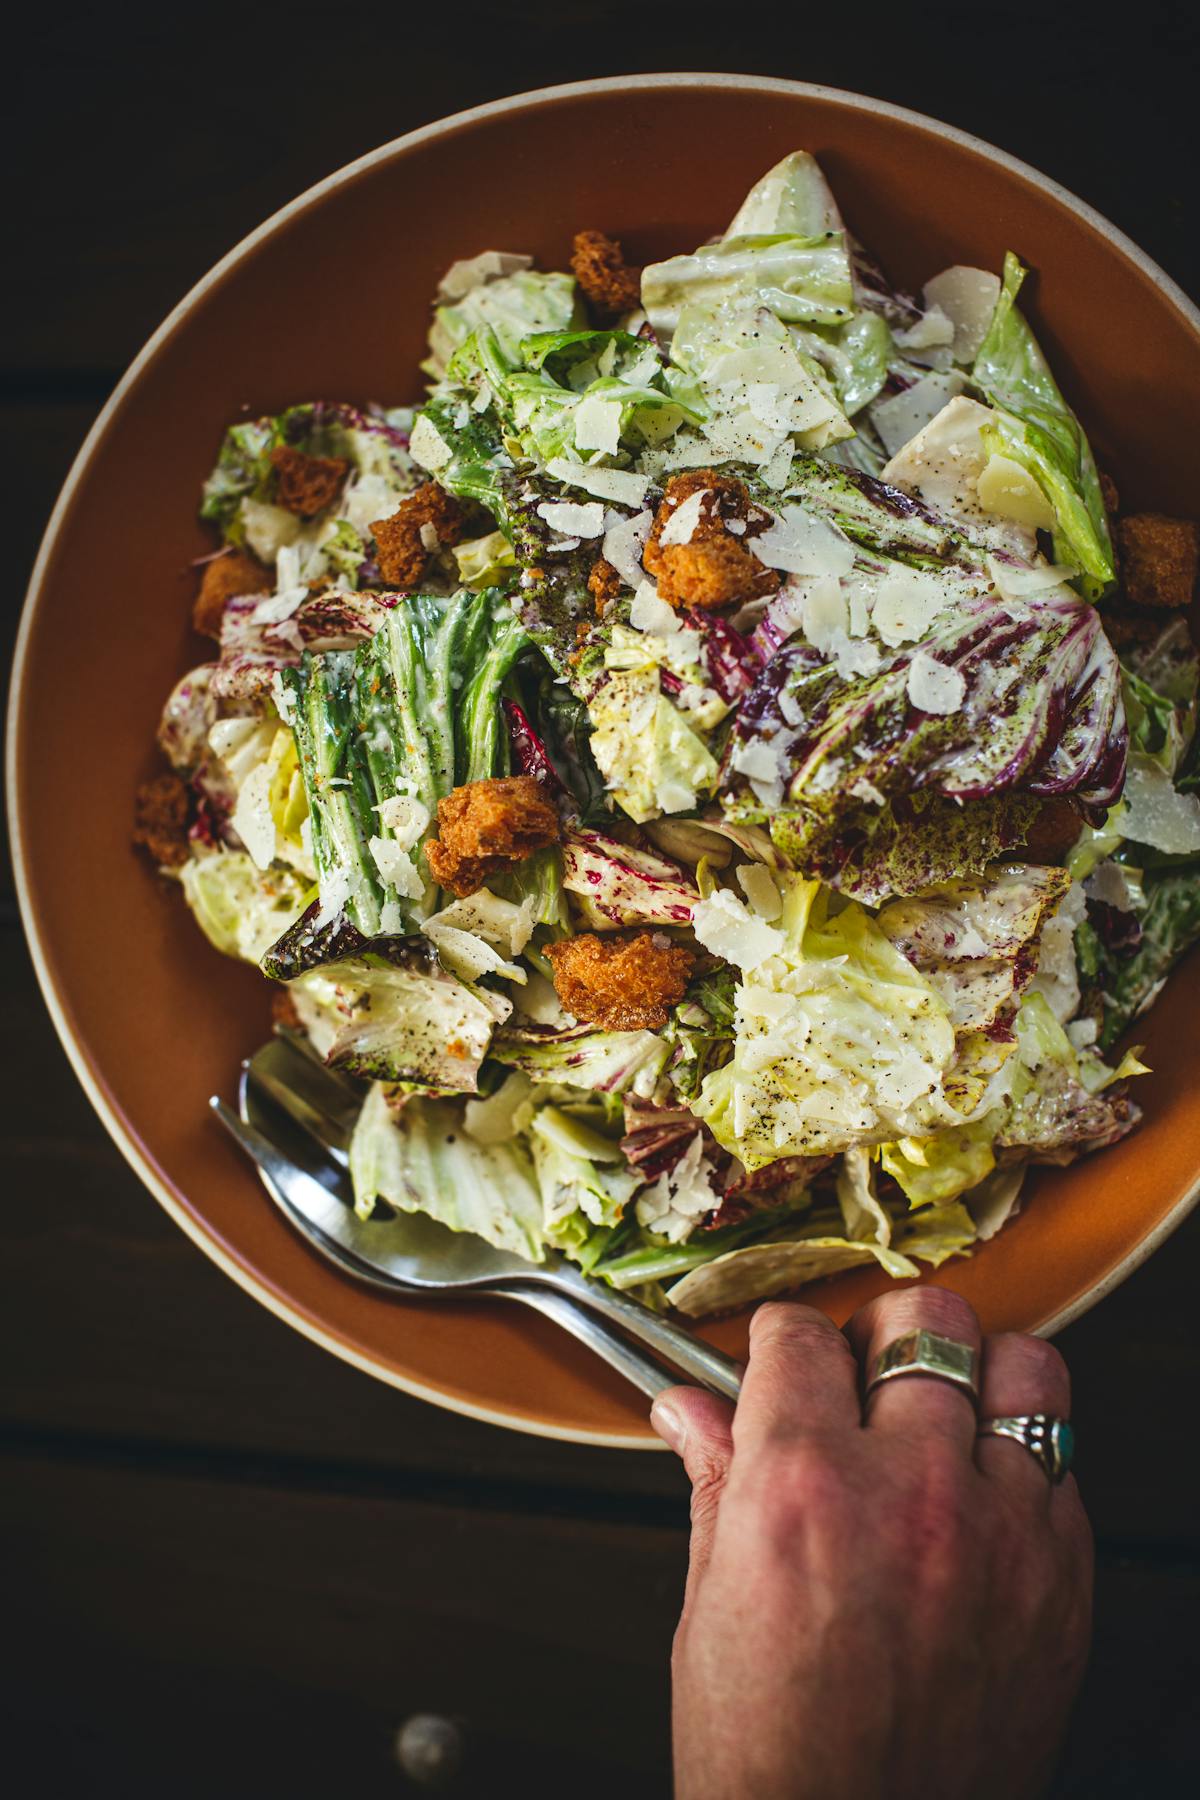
{"type": "Point", "coordinates": [696, 1360]}
{"type": "Point", "coordinates": [610, 1346]}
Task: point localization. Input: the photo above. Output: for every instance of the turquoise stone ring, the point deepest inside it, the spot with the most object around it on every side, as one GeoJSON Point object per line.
{"type": "Point", "coordinates": [1051, 1440]}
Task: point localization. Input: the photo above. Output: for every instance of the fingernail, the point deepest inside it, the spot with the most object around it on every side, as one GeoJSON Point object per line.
{"type": "Point", "coordinates": [670, 1425]}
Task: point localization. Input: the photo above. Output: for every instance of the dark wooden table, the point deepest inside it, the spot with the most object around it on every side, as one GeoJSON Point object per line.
{"type": "Point", "coordinates": [236, 1565]}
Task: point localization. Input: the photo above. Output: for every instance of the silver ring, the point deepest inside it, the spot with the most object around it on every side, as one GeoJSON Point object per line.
{"type": "Point", "coordinates": [1049, 1439]}
{"type": "Point", "coordinates": [925, 1353]}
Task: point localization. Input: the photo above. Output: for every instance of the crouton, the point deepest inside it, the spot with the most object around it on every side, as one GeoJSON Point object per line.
{"type": "Point", "coordinates": [1109, 493]}
{"type": "Point", "coordinates": [306, 485]}
{"type": "Point", "coordinates": [714, 567]}
{"type": "Point", "coordinates": [225, 577]}
{"type": "Point", "coordinates": [486, 827]}
{"type": "Point", "coordinates": [1134, 626]}
{"type": "Point", "coordinates": [1159, 558]}
{"type": "Point", "coordinates": [604, 584]}
{"type": "Point", "coordinates": [610, 285]}
{"type": "Point", "coordinates": [621, 982]}
{"type": "Point", "coordinates": [424, 520]}
{"type": "Point", "coordinates": [284, 1011]}
{"type": "Point", "coordinates": [1053, 832]}
{"type": "Point", "coordinates": [160, 820]}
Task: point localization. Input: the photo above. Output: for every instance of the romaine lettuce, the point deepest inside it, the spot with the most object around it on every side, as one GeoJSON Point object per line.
{"type": "Point", "coordinates": [383, 733]}
{"type": "Point", "coordinates": [418, 1158]}
{"type": "Point", "coordinates": [1036, 428]}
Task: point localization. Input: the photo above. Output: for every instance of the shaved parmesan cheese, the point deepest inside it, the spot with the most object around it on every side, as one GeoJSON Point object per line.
{"type": "Point", "coordinates": [862, 789]}
{"type": "Point", "coordinates": [899, 418]}
{"type": "Point", "coordinates": [649, 613]}
{"type": "Point", "coordinates": [502, 923]}
{"type": "Point", "coordinates": [598, 424]}
{"type": "Point", "coordinates": [681, 1196]}
{"type": "Point", "coordinates": [800, 543]}
{"type": "Point", "coordinates": [468, 956]}
{"type": "Point", "coordinates": [1057, 978]}
{"type": "Point", "coordinates": [268, 528]}
{"type": "Point", "coordinates": [571, 520]}
{"type": "Point", "coordinates": [252, 818]}
{"type": "Point", "coordinates": [1004, 487]}
{"type": "Point", "coordinates": [426, 445]}
{"type": "Point", "coordinates": [285, 700]}
{"type": "Point", "coordinates": [854, 656]}
{"type": "Point", "coordinates": [470, 272]}
{"type": "Point", "coordinates": [621, 486]}
{"type": "Point", "coordinates": [931, 329]}
{"type": "Point", "coordinates": [1155, 812]}
{"type": "Point", "coordinates": [825, 613]}
{"type": "Point", "coordinates": [967, 297]}
{"type": "Point", "coordinates": [906, 604]}
{"type": "Point", "coordinates": [932, 686]}
{"type": "Point", "coordinates": [681, 526]}
{"type": "Point", "coordinates": [726, 926]}
{"type": "Point", "coordinates": [944, 461]}
{"type": "Point", "coordinates": [335, 891]}
{"type": "Point", "coordinates": [397, 867]}
{"type": "Point", "coordinates": [1114, 885]}
{"type": "Point", "coordinates": [404, 817]}
{"type": "Point", "coordinates": [624, 542]}
{"type": "Point", "coordinates": [1016, 581]}
{"type": "Point", "coordinates": [756, 883]}
{"type": "Point", "coordinates": [429, 538]}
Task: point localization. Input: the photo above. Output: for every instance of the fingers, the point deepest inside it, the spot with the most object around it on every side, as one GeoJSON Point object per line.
{"type": "Point", "coordinates": [916, 1405]}
{"type": "Point", "coordinates": [801, 1376]}
{"type": "Point", "coordinates": [1020, 1375]}
{"type": "Point", "coordinates": [699, 1428]}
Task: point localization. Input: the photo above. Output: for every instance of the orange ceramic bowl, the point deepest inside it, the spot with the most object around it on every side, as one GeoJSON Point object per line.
{"type": "Point", "coordinates": [330, 299]}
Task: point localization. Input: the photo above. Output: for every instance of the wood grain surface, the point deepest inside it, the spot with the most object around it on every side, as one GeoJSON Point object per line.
{"type": "Point", "coordinates": [236, 1565]}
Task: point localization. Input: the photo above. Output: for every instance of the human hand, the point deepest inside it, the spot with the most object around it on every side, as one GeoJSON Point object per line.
{"type": "Point", "coordinates": [878, 1604]}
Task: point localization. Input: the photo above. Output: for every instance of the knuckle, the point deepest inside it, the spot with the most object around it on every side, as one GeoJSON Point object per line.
{"type": "Point", "coordinates": [788, 1321]}
{"type": "Point", "coordinates": [1034, 1364]}
{"type": "Point", "coordinates": [928, 1309]}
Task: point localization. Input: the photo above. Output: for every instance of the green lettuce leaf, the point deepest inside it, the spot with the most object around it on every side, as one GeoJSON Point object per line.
{"type": "Point", "coordinates": [839, 1038]}
{"type": "Point", "coordinates": [388, 730]}
{"type": "Point", "coordinates": [512, 307]}
{"type": "Point", "coordinates": [419, 1159]}
{"type": "Point", "coordinates": [240, 908]}
{"type": "Point", "coordinates": [799, 279]}
{"type": "Point", "coordinates": [612, 1062]}
{"type": "Point", "coordinates": [404, 1020]}
{"type": "Point", "coordinates": [1036, 428]}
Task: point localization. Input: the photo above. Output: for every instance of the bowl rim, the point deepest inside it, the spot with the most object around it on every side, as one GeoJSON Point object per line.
{"type": "Point", "coordinates": [90, 1078]}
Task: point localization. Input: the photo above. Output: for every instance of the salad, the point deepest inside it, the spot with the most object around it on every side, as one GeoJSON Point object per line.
{"type": "Point", "coordinates": [720, 772]}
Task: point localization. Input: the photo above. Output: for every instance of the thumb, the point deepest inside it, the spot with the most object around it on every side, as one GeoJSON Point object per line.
{"type": "Point", "coordinates": [699, 1428]}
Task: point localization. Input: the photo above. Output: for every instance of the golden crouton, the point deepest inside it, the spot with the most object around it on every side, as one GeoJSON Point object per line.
{"type": "Point", "coordinates": [715, 567]}
{"type": "Point", "coordinates": [284, 1011]}
{"type": "Point", "coordinates": [306, 485]}
{"type": "Point", "coordinates": [1053, 832]}
{"type": "Point", "coordinates": [610, 285]}
{"type": "Point", "coordinates": [160, 820]}
{"type": "Point", "coordinates": [401, 550]}
{"type": "Point", "coordinates": [625, 982]}
{"type": "Point", "coordinates": [604, 584]}
{"type": "Point", "coordinates": [1159, 558]}
{"type": "Point", "coordinates": [1109, 493]}
{"type": "Point", "coordinates": [225, 577]}
{"type": "Point", "coordinates": [486, 827]}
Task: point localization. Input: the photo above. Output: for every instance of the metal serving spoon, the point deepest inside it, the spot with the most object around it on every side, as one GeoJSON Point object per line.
{"type": "Point", "coordinates": [284, 1084]}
